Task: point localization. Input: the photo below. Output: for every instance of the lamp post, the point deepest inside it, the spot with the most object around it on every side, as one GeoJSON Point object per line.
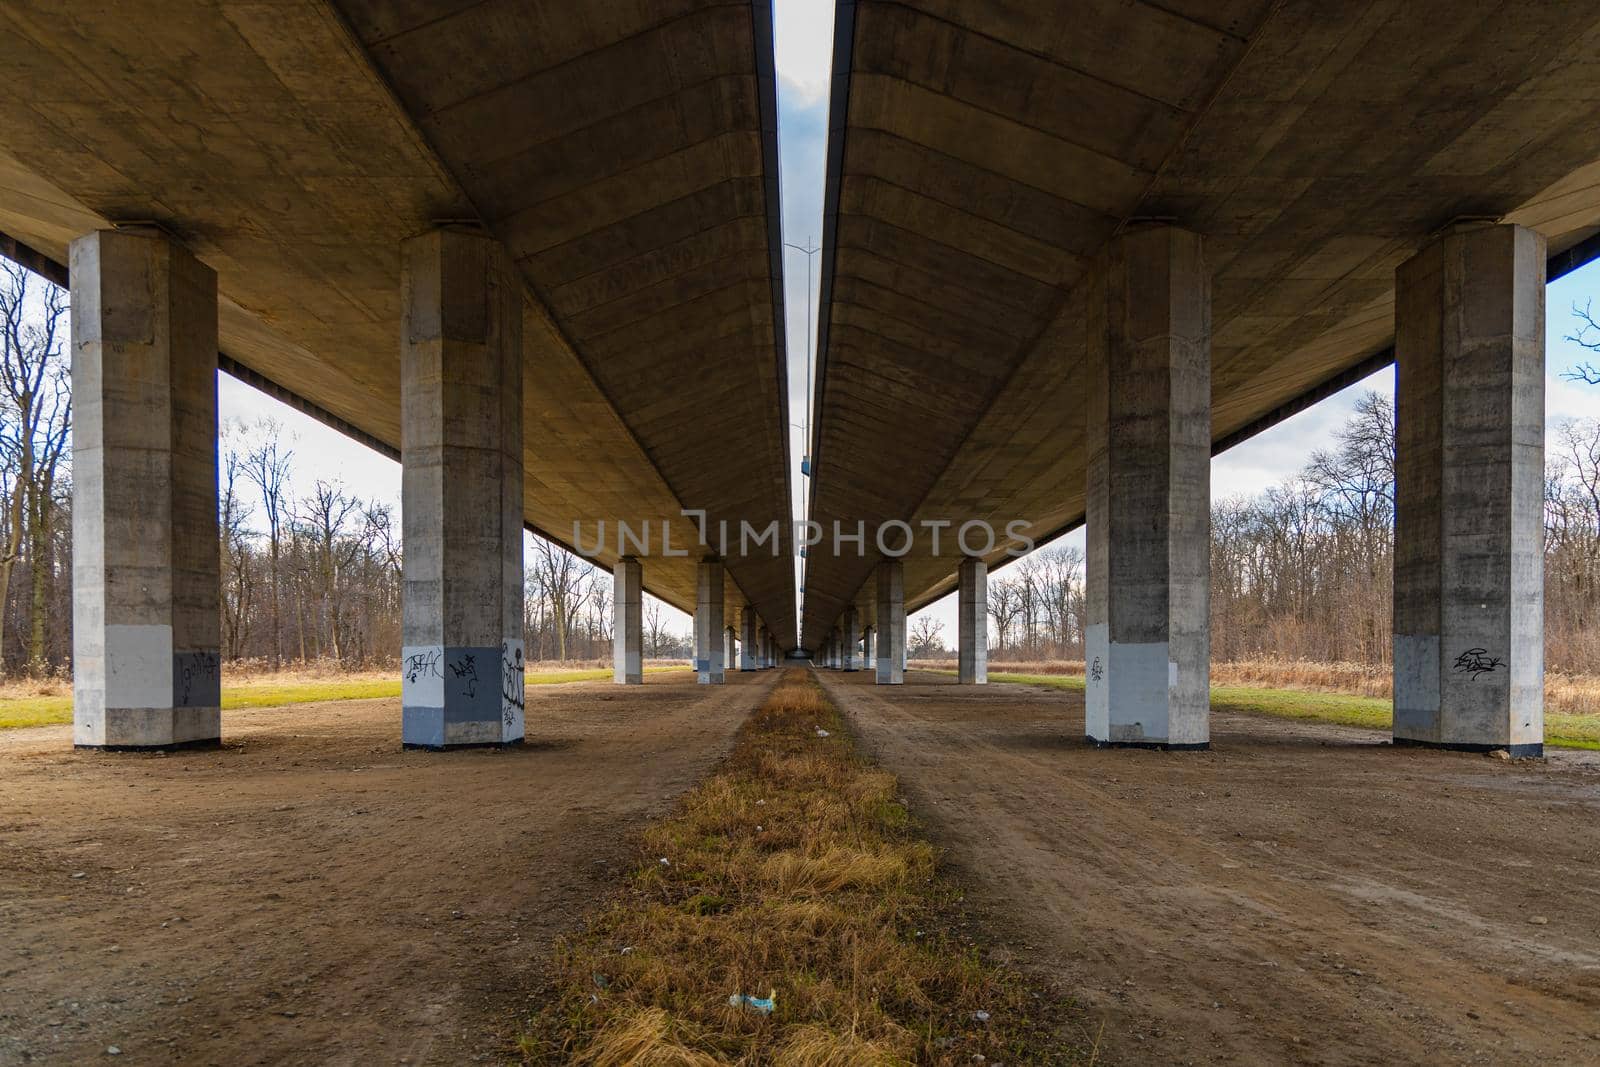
{"type": "Point", "coordinates": [805, 448]}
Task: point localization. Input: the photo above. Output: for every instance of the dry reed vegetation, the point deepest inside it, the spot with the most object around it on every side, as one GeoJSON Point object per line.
{"type": "Point", "coordinates": [794, 870]}
{"type": "Point", "coordinates": [1571, 694]}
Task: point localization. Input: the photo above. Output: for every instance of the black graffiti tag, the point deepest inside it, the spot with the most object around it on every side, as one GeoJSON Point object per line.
{"type": "Point", "coordinates": [1096, 672]}
{"type": "Point", "coordinates": [511, 686]}
{"type": "Point", "coordinates": [466, 668]}
{"type": "Point", "coordinates": [1476, 661]}
{"type": "Point", "coordinates": [422, 665]}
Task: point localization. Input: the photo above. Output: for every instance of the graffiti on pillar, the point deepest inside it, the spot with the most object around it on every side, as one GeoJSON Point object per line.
{"type": "Point", "coordinates": [424, 664]}
{"type": "Point", "coordinates": [512, 692]}
{"type": "Point", "coordinates": [466, 671]}
{"type": "Point", "coordinates": [1476, 661]}
{"type": "Point", "coordinates": [199, 678]}
{"type": "Point", "coordinates": [1096, 671]}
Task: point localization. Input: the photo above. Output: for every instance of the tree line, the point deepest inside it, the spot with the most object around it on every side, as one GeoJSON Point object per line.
{"type": "Point", "coordinates": [1305, 569]}
{"type": "Point", "coordinates": [306, 577]}
{"type": "Point", "coordinates": [1302, 570]}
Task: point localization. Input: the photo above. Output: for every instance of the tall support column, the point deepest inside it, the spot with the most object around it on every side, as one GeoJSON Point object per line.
{"type": "Point", "coordinates": [972, 623]}
{"type": "Point", "coordinates": [627, 624]}
{"type": "Point", "coordinates": [461, 492]}
{"type": "Point", "coordinates": [729, 649]}
{"type": "Point", "coordinates": [891, 617]}
{"type": "Point", "coordinates": [849, 639]}
{"type": "Point", "coordinates": [1149, 492]}
{"type": "Point", "coordinates": [867, 658]}
{"type": "Point", "coordinates": [750, 653]}
{"type": "Point", "coordinates": [708, 623]}
{"type": "Point", "coordinates": [1469, 537]}
{"type": "Point", "coordinates": [145, 561]}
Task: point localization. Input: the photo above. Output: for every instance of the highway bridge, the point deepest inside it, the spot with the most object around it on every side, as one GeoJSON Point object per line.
{"type": "Point", "coordinates": [1070, 251]}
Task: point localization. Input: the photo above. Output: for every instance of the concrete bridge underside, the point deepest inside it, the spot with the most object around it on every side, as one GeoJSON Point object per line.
{"type": "Point", "coordinates": [982, 156]}
{"type": "Point", "coordinates": [624, 155]}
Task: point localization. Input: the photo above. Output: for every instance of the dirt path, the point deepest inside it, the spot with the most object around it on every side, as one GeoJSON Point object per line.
{"type": "Point", "coordinates": [1300, 894]}
{"type": "Point", "coordinates": [311, 894]}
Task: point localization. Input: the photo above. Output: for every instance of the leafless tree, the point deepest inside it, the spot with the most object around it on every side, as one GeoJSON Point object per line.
{"type": "Point", "coordinates": [1587, 334]}
{"type": "Point", "coordinates": [927, 639]}
{"type": "Point", "coordinates": [34, 430]}
{"type": "Point", "coordinates": [267, 465]}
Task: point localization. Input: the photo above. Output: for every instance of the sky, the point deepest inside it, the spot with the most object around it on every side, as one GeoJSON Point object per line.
{"type": "Point", "coordinates": [803, 33]}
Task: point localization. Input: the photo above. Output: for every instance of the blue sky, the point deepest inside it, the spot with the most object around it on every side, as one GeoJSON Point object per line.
{"type": "Point", "coordinates": [803, 31]}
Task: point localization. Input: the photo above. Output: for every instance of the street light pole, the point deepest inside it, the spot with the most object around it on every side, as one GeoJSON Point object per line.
{"type": "Point", "coordinates": [805, 460]}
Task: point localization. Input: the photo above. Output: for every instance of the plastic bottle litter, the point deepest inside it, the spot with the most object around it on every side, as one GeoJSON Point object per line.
{"type": "Point", "coordinates": [821, 732]}
{"type": "Point", "coordinates": [763, 1005]}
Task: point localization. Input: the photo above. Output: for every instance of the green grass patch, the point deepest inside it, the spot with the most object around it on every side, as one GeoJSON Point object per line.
{"type": "Point", "coordinates": [267, 692]}
{"type": "Point", "coordinates": [1340, 709]}
{"type": "Point", "coordinates": [793, 873]}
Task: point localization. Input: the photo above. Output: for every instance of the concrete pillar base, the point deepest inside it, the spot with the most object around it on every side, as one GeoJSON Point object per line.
{"type": "Point", "coordinates": [708, 663]}
{"type": "Point", "coordinates": [890, 618]}
{"type": "Point", "coordinates": [627, 625]}
{"type": "Point", "coordinates": [416, 746]}
{"type": "Point", "coordinates": [461, 490]}
{"type": "Point", "coordinates": [1469, 492]}
{"type": "Point", "coordinates": [146, 634]}
{"type": "Point", "coordinates": [210, 741]}
{"type": "Point", "coordinates": [1531, 750]}
{"type": "Point", "coordinates": [972, 623]}
{"type": "Point", "coordinates": [1157, 746]}
{"type": "Point", "coordinates": [1147, 493]}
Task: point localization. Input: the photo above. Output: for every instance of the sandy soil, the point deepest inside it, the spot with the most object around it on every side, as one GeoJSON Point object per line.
{"type": "Point", "coordinates": [311, 893]}
{"type": "Point", "coordinates": [1300, 894]}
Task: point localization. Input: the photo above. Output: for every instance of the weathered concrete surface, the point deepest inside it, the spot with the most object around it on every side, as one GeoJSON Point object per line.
{"type": "Point", "coordinates": [145, 571]}
{"type": "Point", "coordinates": [627, 629]}
{"type": "Point", "coordinates": [1469, 493]}
{"type": "Point", "coordinates": [986, 152]}
{"type": "Point", "coordinates": [889, 619]}
{"type": "Point", "coordinates": [461, 486]}
{"type": "Point", "coordinates": [750, 652]}
{"type": "Point", "coordinates": [626, 159]}
{"type": "Point", "coordinates": [1148, 561]}
{"type": "Point", "coordinates": [972, 623]}
{"type": "Point", "coordinates": [708, 662]}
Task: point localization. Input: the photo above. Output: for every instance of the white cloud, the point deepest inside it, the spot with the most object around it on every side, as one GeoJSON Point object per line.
{"type": "Point", "coordinates": [802, 33]}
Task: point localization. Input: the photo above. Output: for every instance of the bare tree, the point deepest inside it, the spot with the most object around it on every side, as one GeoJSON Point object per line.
{"type": "Point", "coordinates": [1005, 607]}
{"type": "Point", "coordinates": [33, 434]}
{"type": "Point", "coordinates": [657, 641]}
{"type": "Point", "coordinates": [927, 639]}
{"type": "Point", "coordinates": [267, 466]}
{"type": "Point", "coordinates": [327, 512]}
{"type": "Point", "coordinates": [1586, 334]}
{"type": "Point", "coordinates": [238, 561]}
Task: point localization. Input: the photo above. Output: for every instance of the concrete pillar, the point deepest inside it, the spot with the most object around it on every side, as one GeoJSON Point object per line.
{"type": "Point", "coordinates": [891, 617]}
{"type": "Point", "coordinates": [1469, 537]}
{"type": "Point", "coordinates": [729, 649]}
{"type": "Point", "coordinates": [1148, 492]}
{"type": "Point", "coordinates": [708, 623]}
{"type": "Point", "coordinates": [867, 659]}
{"type": "Point", "coordinates": [145, 572]}
{"type": "Point", "coordinates": [972, 623]}
{"type": "Point", "coordinates": [461, 492]}
{"type": "Point", "coordinates": [627, 623]}
{"type": "Point", "coordinates": [848, 642]}
{"type": "Point", "coordinates": [750, 653]}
